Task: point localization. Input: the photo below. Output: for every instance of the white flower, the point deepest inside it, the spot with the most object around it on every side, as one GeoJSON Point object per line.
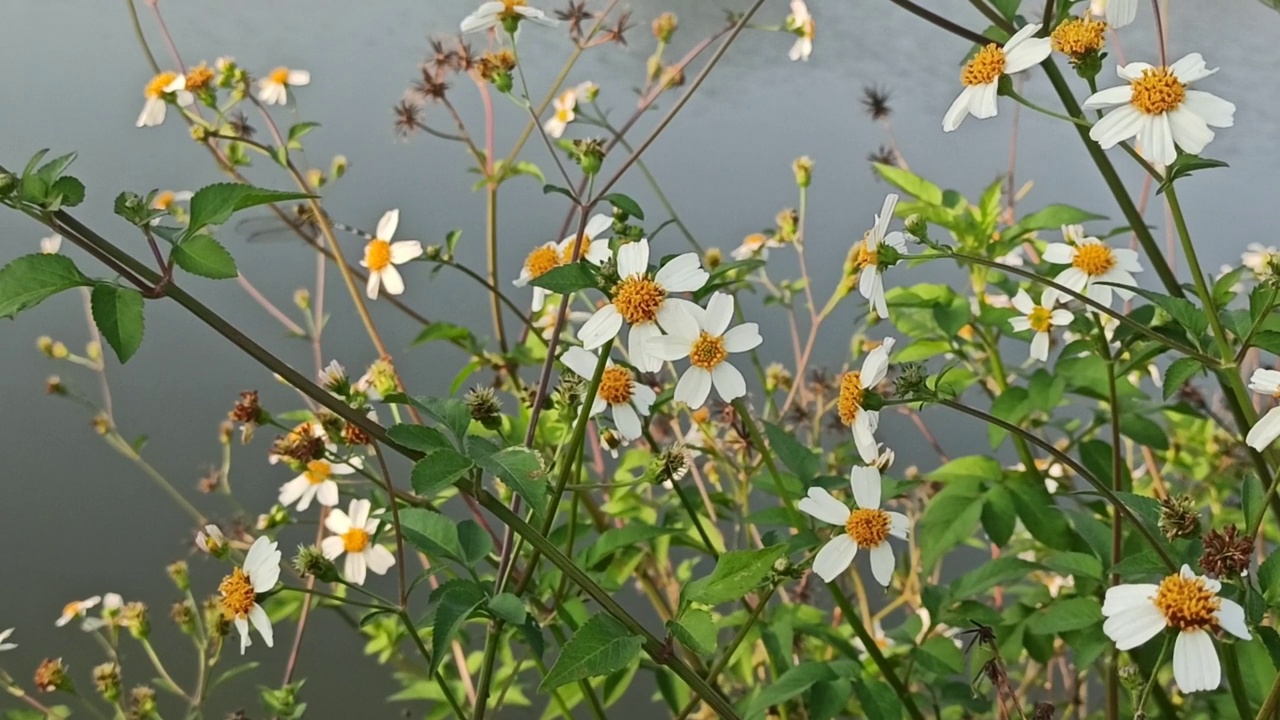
{"type": "Point", "coordinates": [981, 75]}
{"type": "Point", "coordinates": [316, 483]}
{"type": "Point", "coordinates": [211, 540]}
{"type": "Point", "coordinates": [800, 22]}
{"type": "Point", "coordinates": [545, 321]}
{"type": "Point", "coordinates": [51, 245]}
{"type": "Point", "coordinates": [1157, 108]}
{"type": "Point", "coordinates": [381, 256]}
{"type": "Point", "coordinates": [551, 255]}
{"type": "Point", "coordinates": [1258, 259]}
{"type": "Point", "coordinates": [167, 199]}
{"type": "Point", "coordinates": [274, 88]}
{"type": "Point", "coordinates": [76, 608]}
{"type": "Point", "coordinates": [755, 245]}
{"type": "Point", "coordinates": [853, 390]}
{"type": "Point", "coordinates": [111, 604]}
{"type": "Point", "coordinates": [641, 300]}
{"type": "Point", "coordinates": [564, 105]}
{"type": "Point", "coordinates": [866, 526]}
{"type": "Point", "coordinates": [1092, 262]}
{"type": "Point", "coordinates": [1138, 612]}
{"type": "Point", "coordinates": [163, 87]}
{"type": "Point", "coordinates": [1266, 430]}
{"type": "Point", "coordinates": [618, 390]}
{"type": "Point", "coordinates": [491, 14]}
{"type": "Point", "coordinates": [1117, 12]}
{"type": "Point", "coordinates": [240, 591]}
{"type": "Point", "coordinates": [704, 336]}
{"type": "Point", "coordinates": [352, 533]}
{"type": "Point", "coordinates": [867, 258]}
{"type": "Point", "coordinates": [4, 635]}
{"type": "Point", "coordinates": [1039, 318]}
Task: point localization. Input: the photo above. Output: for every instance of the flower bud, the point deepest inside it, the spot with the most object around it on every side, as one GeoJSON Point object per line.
{"type": "Point", "coordinates": [179, 574]}
{"type": "Point", "coordinates": [803, 169]}
{"type": "Point", "coordinates": [58, 351]}
{"type": "Point", "coordinates": [44, 344]}
{"type": "Point", "coordinates": [777, 377]}
{"type": "Point", "coordinates": [277, 516]}
{"type": "Point", "coordinates": [134, 617]}
{"type": "Point", "coordinates": [183, 614]}
{"type": "Point", "coordinates": [315, 177]}
{"type": "Point", "coordinates": [712, 258]}
{"type": "Point", "coordinates": [93, 350]}
{"type": "Point", "coordinates": [212, 541]}
{"type": "Point", "coordinates": [672, 77]}
{"type": "Point", "coordinates": [199, 133]}
{"type": "Point", "coordinates": [338, 166]}
{"type": "Point", "coordinates": [302, 299]}
{"type": "Point", "coordinates": [664, 26]}
{"type": "Point", "coordinates": [106, 678]}
{"type": "Point", "coordinates": [8, 181]}
{"type": "Point", "coordinates": [310, 562]}
{"type": "Point", "coordinates": [589, 154]}
{"type": "Point", "coordinates": [788, 221]}
{"type": "Point", "coordinates": [53, 385]}
{"type": "Point", "coordinates": [51, 675]}
{"type": "Point", "coordinates": [484, 407]}
{"type": "Point", "coordinates": [917, 226]}
{"type": "Point", "coordinates": [101, 424]}
{"type": "Point", "coordinates": [142, 701]}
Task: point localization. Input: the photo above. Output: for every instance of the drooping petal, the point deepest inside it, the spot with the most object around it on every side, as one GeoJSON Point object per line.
{"type": "Point", "coordinates": [958, 111]}
{"type": "Point", "coordinates": [643, 397]}
{"type": "Point", "coordinates": [387, 224]}
{"type": "Point", "coordinates": [729, 382]}
{"type": "Point", "coordinates": [633, 258]}
{"type": "Point", "coordinates": [298, 77]}
{"type": "Point", "coordinates": [876, 364]}
{"type": "Point", "coordinates": [1040, 347]}
{"type": "Point", "coordinates": [865, 483]}
{"type": "Point", "coordinates": [392, 280]}
{"type": "Point", "coordinates": [1195, 662]}
{"type": "Point", "coordinates": [1265, 431]}
{"type": "Point", "coordinates": [262, 624]}
{"type": "Point", "coordinates": [882, 562]}
{"type": "Point", "coordinates": [242, 627]}
{"type": "Point", "coordinates": [353, 568]}
{"type": "Point", "coordinates": [835, 557]}
{"type": "Point", "coordinates": [824, 506]}
{"type": "Point", "coordinates": [864, 438]}
{"type": "Point", "coordinates": [693, 387]}
{"type": "Point", "coordinates": [601, 327]}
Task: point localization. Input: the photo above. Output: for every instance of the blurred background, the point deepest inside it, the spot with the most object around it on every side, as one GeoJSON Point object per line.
{"type": "Point", "coordinates": [77, 520]}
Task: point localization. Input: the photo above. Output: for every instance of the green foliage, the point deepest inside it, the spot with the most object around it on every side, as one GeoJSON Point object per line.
{"type": "Point", "coordinates": [202, 255]}
{"type": "Point", "coordinates": [439, 470]}
{"type": "Point", "coordinates": [600, 647]}
{"type": "Point", "coordinates": [215, 204]}
{"type": "Point", "coordinates": [625, 204]}
{"type": "Point", "coordinates": [522, 471]}
{"type": "Point", "coordinates": [695, 629]}
{"type": "Point", "coordinates": [117, 311]}
{"type": "Point", "coordinates": [454, 602]}
{"type": "Point", "coordinates": [567, 278]}
{"type": "Point", "coordinates": [31, 279]}
{"type": "Point", "coordinates": [737, 573]}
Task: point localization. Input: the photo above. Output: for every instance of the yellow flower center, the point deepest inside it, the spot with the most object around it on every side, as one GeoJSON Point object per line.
{"type": "Point", "coordinates": [198, 77]}
{"type": "Point", "coordinates": [581, 246]}
{"type": "Point", "coordinates": [616, 386]}
{"type": "Point", "coordinates": [869, 528]}
{"type": "Point", "coordinates": [509, 10]}
{"type": "Point", "coordinates": [754, 241]}
{"type": "Point", "coordinates": [541, 260]}
{"type": "Point", "coordinates": [638, 298]}
{"type": "Point", "coordinates": [156, 88]}
{"type": "Point", "coordinates": [708, 351]}
{"type": "Point", "coordinates": [71, 608]}
{"type": "Point", "coordinates": [1039, 319]}
{"type": "Point", "coordinates": [238, 596]}
{"type": "Point", "coordinates": [377, 254]}
{"type": "Point", "coordinates": [1094, 258]}
{"type": "Point", "coordinates": [1078, 37]}
{"type": "Point", "coordinates": [865, 256]}
{"type": "Point", "coordinates": [851, 394]}
{"type": "Point", "coordinates": [279, 76]}
{"type": "Point", "coordinates": [985, 67]}
{"type": "Point", "coordinates": [163, 200]}
{"type": "Point", "coordinates": [318, 471]}
{"type": "Point", "coordinates": [355, 540]}
{"type": "Point", "coordinates": [1187, 603]}
{"type": "Point", "coordinates": [1157, 91]}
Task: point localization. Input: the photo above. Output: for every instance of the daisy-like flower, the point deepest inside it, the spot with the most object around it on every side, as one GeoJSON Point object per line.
{"type": "Point", "coordinates": [1040, 318]}
{"type": "Point", "coordinates": [316, 483]}
{"type": "Point", "coordinates": [565, 105]}
{"type": "Point", "coordinates": [51, 245]}
{"type": "Point", "coordinates": [381, 256]}
{"type": "Point", "coordinates": [505, 12]}
{"type": "Point", "coordinates": [704, 336]}
{"type": "Point", "coordinates": [1266, 430]}
{"type": "Point", "coordinates": [240, 591]}
{"type": "Point", "coordinates": [163, 88]}
{"type": "Point", "coordinates": [6, 645]}
{"type": "Point", "coordinates": [642, 301]}
{"type": "Point", "coordinates": [618, 390]}
{"type": "Point", "coordinates": [1187, 602]}
{"type": "Point", "coordinates": [167, 200]}
{"type": "Point", "coordinates": [549, 256]}
{"type": "Point", "coordinates": [1117, 12]}
{"type": "Point", "coordinates": [853, 391]}
{"type": "Point", "coordinates": [111, 604]}
{"type": "Point", "coordinates": [352, 534]}
{"type": "Point", "coordinates": [866, 526]}
{"type": "Point", "coordinates": [800, 22]}
{"type": "Point", "coordinates": [981, 75]}
{"type": "Point", "coordinates": [1157, 108]}
{"type": "Point", "coordinates": [1092, 262]}
{"type": "Point", "coordinates": [274, 88]}
{"type": "Point", "coordinates": [755, 245]}
{"type": "Point", "coordinates": [76, 608]}
{"type": "Point", "coordinates": [1258, 258]}
{"type": "Point", "coordinates": [867, 260]}
{"type": "Point", "coordinates": [211, 540]}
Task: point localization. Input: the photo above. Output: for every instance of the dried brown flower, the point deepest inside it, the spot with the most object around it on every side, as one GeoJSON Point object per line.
{"type": "Point", "coordinates": [1179, 517]}
{"type": "Point", "coordinates": [51, 675]}
{"type": "Point", "coordinates": [1226, 552]}
{"type": "Point", "coordinates": [876, 101]}
{"type": "Point", "coordinates": [247, 409]}
{"type": "Point", "coordinates": [575, 13]}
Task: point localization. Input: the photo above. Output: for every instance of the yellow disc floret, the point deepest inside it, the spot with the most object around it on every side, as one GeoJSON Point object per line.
{"type": "Point", "coordinates": [1187, 603]}
{"type": "Point", "coordinates": [637, 299]}
{"type": "Point", "coordinates": [708, 351]}
{"type": "Point", "coordinates": [1078, 37]}
{"type": "Point", "coordinates": [868, 528]}
{"type": "Point", "coordinates": [279, 76]}
{"type": "Point", "coordinates": [238, 597]}
{"type": "Point", "coordinates": [1157, 91]}
{"type": "Point", "coordinates": [542, 260]}
{"type": "Point", "coordinates": [355, 540]}
{"type": "Point", "coordinates": [866, 256]}
{"type": "Point", "coordinates": [851, 394]}
{"type": "Point", "coordinates": [1094, 258]}
{"type": "Point", "coordinates": [377, 254]}
{"type": "Point", "coordinates": [156, 88]}
{"type": "Point", "coordinates": [318, 471]}
{"type": "Point", "coordinates": [616, 386]}
{"type": "Point", "coordinates": [1039, 319]}
{"type": "Point", "coordinates": [985, 67]}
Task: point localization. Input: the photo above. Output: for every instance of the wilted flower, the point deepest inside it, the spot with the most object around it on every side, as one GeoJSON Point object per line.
{"type": "Point", "coordinates": [1226, 552]}
{"type": "Point", "coordinates": [106, 678]}
{"type": "Point", "coordinates": [51, 675]}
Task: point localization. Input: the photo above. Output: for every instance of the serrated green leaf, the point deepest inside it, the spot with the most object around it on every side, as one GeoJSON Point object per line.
{"type": "Point", "coordinates": [65, 192]}
{"type": "Point", "coordinates": [117, 311]}
{"type": "Point", "coordinates": [521, 469]}
{"type": "Point", "coordinates": [446, 331]}
{"type": "Point", "coordinates": [737, 573]}
{"type": "Point", "coordinates": [1065, 615]}
{"type": "Point", "coordinates": [1143, 431]}
{"type": "Point", "coordinates": [999, 514]}
{"type": "Point", "coordinates": [1053, 217]}
{"type": "Point", "coordinates": [910, 183]}
{"type": "Point", "coordinates": [799, 458]}
{"type": "Point", "coordinates": [30, 279]}
{"type": "Point", "coordinates": [454, 602]}
{"type": "Point", "coordinates": [625, 204]}
{"type": "Point", "coordinates": [475, 541]}
{"type": "Point", "coordinates": [202, 255]}
{"type": "Point", "coordinates": [439, 470]}
{"type": "Point", "coordinates": [949, 519]}
{"type": "Point", "coordinates": [1000, 571]}
{"type": "Point", "coordinates": [1268, 340]}
{"type": "Point", "coordinates": [215, 204]}
{"type": "Point", "coordinates": [567, 278]}
{"type": "Point", "coordinates": [1178, 373]}
{"type": "Point", "coordinates": [969, 467]}
{"type": "Point", "coordinates": [432, 533]}
{"type": "Point", "coordinates": [1183, 311]}
{"type": "Point", "coordinates": [508, 608]}
{"type": "Point", "coordinates": [601, 646]}
{"type": "Point", "coordinates": [696, 630]}
{"type": "Point", "coordinates": [450, 412]}
{"type": "Point", "coordinates": [418, 437]}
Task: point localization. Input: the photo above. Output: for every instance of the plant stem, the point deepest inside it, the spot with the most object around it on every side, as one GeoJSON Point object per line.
{"type": "Point", "coordinates": [869, 644]}
{"type": "Point", "coordinates": [727, 656]}
{"type": "Point", "coordinates": [1235, 679]}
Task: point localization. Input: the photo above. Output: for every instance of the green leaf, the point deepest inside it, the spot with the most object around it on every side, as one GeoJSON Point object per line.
{"type": "Point", "coordinates": [454, 602]}
{"type": "Point", "coordinates": [999, 514]}
{"type": "Point", "coordinates": [788, 685]}
{"type": "Point", "coordinates": [878, 700]}
{"type": "Point", "coordinates": [567, 278]}
{"type": "Point", "coordinates": [1178, 373]}
{"type": "Point", "coordinates": [600, 647]}
{"type": "Point", "coordinates": [446, 331]}
{"type": "Point", "coordinates": [1140, 565]}
{"type": "Point", "coordinates": [475, 541]}
{"type": "Point", "coordinates": [798, 458]}
{"type": "Point", "coordinates": [695, 630]}
{"type": "Point", "coordinates": [508, 608]}
{"type": "Point", "coordinates": [432, 533]}
{"type": "Point", "coordinates": [202, 255]}
{"type": "Point", "coordinates": [631, 535]}
{"type": "Point", "coordinates": [548, 189]}
{"type": "Point", "coordinates": [1041, 515]}
{"type": "Point", "coordinates": [1000, 571]}
{"type": "Point", "coordinates": [1268, 340]}
{"type": "Point", "coordinates": [1013, 405]}
{"type": "Point", "coordinates": [450, 412]}
{"type": "Point", "coordinates": [215, 204]}
{"type": "Point", "coordinates": [1082, 565]}
{"type": "Point", "coordinates": [967, 468]}
{"type": "Point", "coordinates": [296, 133]}
{"type": "Point", "coordinates": [1186, 163]}
{"type": "Point", "coordinates": [418, 437]}
{"type": "Point", "coordinates": [910, 183]}
{"type": "Point", "coordinates": [117, 311]}
{"type": "Point", "coordinates": [1183, 311]}
{"type": "Point", "coordinates": [439, 470]}
{"type": "Point", "coordinates": [521, 469]}
{"type": "Point", "coordinates": [827, 700]}
{"type": "Point", "coordinates": [1065, 615]}
{"type": "Point", "coordinates": [1253, 499]}
{"type": "Point", "coordinates": [30, 279]}
{"type": "Point", "coordinates": [1143, 431]}
{"type": "Point", "coordinates": [950, 519]}
{"type": "Point", "coordinates": [232, 672]}
{"type": "Point", "coordinates": [737, 573]}
{"type": "Point", "coordinates": [1053, 217]}
{"type": "Point", "coordinates": [66, 192]}
{"type": "Point", "coordinates": [625, 204]}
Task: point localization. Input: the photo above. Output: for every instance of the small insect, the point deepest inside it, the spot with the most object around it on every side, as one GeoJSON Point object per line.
{"type": "Point", "coordinates": [981, 635]}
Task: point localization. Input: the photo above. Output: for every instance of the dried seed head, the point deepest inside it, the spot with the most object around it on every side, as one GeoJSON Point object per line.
{"type": "Point", "coordinates": [484, 406]}
{"type": "Point", "coordinates": [51, 675]}
{"type": "Point", "coordinates": [876, 102]}
{"type": "Point", "coordinates": [247, 410]}
{"type": "Point", "coordinates": [106, 678]}
{"type": "Point", "coordinates": [1226, 553]}
{"type": "Point", "coordinates": [1179, 517]}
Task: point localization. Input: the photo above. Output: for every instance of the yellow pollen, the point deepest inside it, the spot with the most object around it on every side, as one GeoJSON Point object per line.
{"type": "Point", "coordinates": [616, 386]}
{"type": "Point", "coordinates": [318, 471]}
{"type": "Point", "coordinates": [851, 393]}
{"type": "Point", "coordinates": [163, 200]}
{"type": "Point", "coordinates": [564, 114]}
{"type": "Point", "coordinates": [510, 9]}
{"type": "Point", "coordinates": [156, 88]}
{"type": "Point", "coordinates": [377, 254]}
{"type": "Point", "coordinates": [638, 298]}
{"type": "Point", "coordinates": [1078, 37]}
{"type": "Point", "coordinates": [72, 608]}
{"type": "Point", "coordinates": [541, 260]}
{"type": "Point", "coordinates": [238, 596]}
{"type": "Point", "coordinates": [868, 528]}
{"type": "Point", "coordinates": [985, 67]}
{"type": "Point", "coordinates": [1039, 319]}
{"type": "Point", "coordinates": [355, 540]}
{"type": "Point", "coordinates": [279, 76]}
{"type": "Point", "coordinates": [1094, 258]}
{"type": "Point", "coordinates": [1157, 91]}
{"type": "Point", "coordinates": [708, 351]}
{"type": "Point", "coordinates": [566, 256]}
{"type": "Point", "coordinates": [1187, 604]}
{"type": "Point", "coordinates": [865, 256]}
{"type": "Point", "coordinates": [198, 77]}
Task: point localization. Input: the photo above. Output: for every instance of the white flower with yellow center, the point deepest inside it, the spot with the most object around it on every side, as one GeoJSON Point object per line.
{"type": "Point", "coordinates": [551, 255]}
{"type": "Point", "coordinates": [353, 534]}
{"type": "Point", "coordinates": [866, 526]}
{"type": "Point", "coordinates": [981, 75]}
{"type": "Point", "coordinates": [76, 608]}
{"type": "Point", "coordinates": [642, 300]}
{"type": "Point", "coordinates": [800, 22]}
{"type": "Point", "coordinates": [316, 483]}
{"type": "Point", "coordinates": [492, 14]}
{"type": "Point", "coordinates": [564, 107]}
{"type": "Point", "coordinates": [211, 540]}
{"type": "Point", "coordinates": [1092, 262]}
{"type": "Point", "coordinates": [853, 391]}
{"type": "Point", "coordinates": [51, 245]}
{"type": "Point", "coordinates": [704, 336]}
{"type": "Point", "coordinates": [274, 88]}
{"type": "Point", "coordinates": [867, 259]}
{"type": "Point", "coordinates": [167, 201]}
{"type": "Point", "coordinates": [1267, 429]}
{"type": "Point", "coordinates": [1190, 604]}
{"type": "Point", "coordinates": [163, 88]}
{"type": "Point", "coordinates": [4, 636]}
{"type": "Point", "coordinates": [1257, 257]}
{"type": "Point", "coordinates": [381, 256]}
{"type": "Point", "coordinates": [1117, 12]}
{"type": "Point", "coordinates": [755, 245]}
{"type": "Point", "coordinates": [619, 391]}
{"type": "Point", "coordinates": [240, 591]}
{"type": "Point", "coordinates": [1157, 108]}
{"type": "Point", "coordinates": [1040, 318]}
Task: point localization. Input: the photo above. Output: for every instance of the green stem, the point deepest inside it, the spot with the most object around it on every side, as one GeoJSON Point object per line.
{"type": "Point", "coordinates": [164, 674]}
{"type": "Point", "coordinates": [123, 447]}
{"type": "Point", "coordinates": [1117, 536]}
{"type": "Point", "coordinates": [727, 656]}
{"type": "Point", "coordinates": [695, 519]}
{"type": "Point", "coordinates": [1271, 703]}
{"type": "Point", "coordinates": [757, 438]}
{"type": "Point", "coordinates": [445, 690]}
{"type": "Point", "coordinates": [869, 643]}
{"type": "Point", "coordinates": [1155, 671]}
{"type": "Point", "coordinates": [1045, 111]}
{"type": "Point", "coordinates": [1235, 679]}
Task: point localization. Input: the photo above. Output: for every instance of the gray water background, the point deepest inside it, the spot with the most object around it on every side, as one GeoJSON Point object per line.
{"type": "Point", "coordinates": [77, 520]}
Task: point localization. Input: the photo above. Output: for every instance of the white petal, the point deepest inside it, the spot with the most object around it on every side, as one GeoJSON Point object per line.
{"type": "Point", "coordinates": [597, 225]}
{"type": "Point", "coordinates": [1058, 254]}
{"type": "Point", "coordinates": [262, 623]}
{"type": "Point", "coordinates": [1195, 662]}
{"type": "Point", "coordinates": [332, 546]}
{"type": "Point", "coordinates": [1110, 97]}
{"type": "Point", "coordinates": [637, 347]}
{"type": "Point", "coordinates": [683, 273]}
{"type": "Point", "coordinates": [337, 522]}
{"type": "Point", "coordinates": [405, 250]}
{"type": "Point", "coordinates": [1061, 317]}
{"type": "Point", "coordinates": [865, 482]}
{"type": "Point", "coordinates": [668, 347]}
{"type": "Point", "coordinates": [624, 416]}
{"type": "Point", "coordinates": [642, 397]}
{"type": "Point", "coordinates": [387, 224]}
{"type": "Point", "coordinates": [1019, 324]}
{"type": "Point", "coordinates": [1022, 302]}
{"type": "Point", "coordinates": [633, 258]}
{"type": "Point", "coordinates": [680, 319]}
{"type": "Point", "coordinates": [1117, 126]}
{"type": "Point", "coordinates": [597, 252]}
{"type": "Point", "coordinates": [1040, 347]}
{"type": "Point", "coordinates": [1121, 12]}
{"type": "Point", "coordinates": [1073, 279]}
{"type": "Point", "coordinates": [359, 512]}
{"type": "Point", "coordinates": [1189, 131]}
{"type": "Point", "coordinates": [259, 554]}
{"type": "Point", "coordinates": [864, 437]}
{"type": "Point", "coordinates": [824, 506]}
{"type": "Point", "coordinates": [884, 217]}
{"type": "Point", "coordinates": [372, 285]}
{"type": "Point", "coordinates": [835, 557]}
{"type": "Point", "coordinates": [1265, 431]}
{"type": "Point", "coordinates": [1190, 68]}
{"type": "Point", "coordinates": [729, 382]}
{"type": "Point", "coordinates": [982, 104]}
{"type": "Point", "coordinates": [1134, 626]}
{"type": "Point", "coordinates": [152, 113]}
{"type": "Point", "coordinates": [1212, 109]}
{"type": "Point", "coordinates": [292, 490]}
{"type": "Point", "coordinates": [899, 525]}
{"type": "Point", "coordinates": [299, 77]}
{"type": "Point", "coordinates": [719, 313]}
{"type": "Point", "coordinates": [353, 568]}
{"type": "Point", "coordinates": [1133, 70]}
{"type": "Point", "coordinates": [242, 627]}
{"type": "Point", "coordinates": [1231, 618]}
{"type": "Point", "coordinates": [1028, 54]}
{"type": "Point", "coordinates": [598, 406]}
{"type": "Point", "coordinates": [1127, 259]}
{"type": "Point", "coordinates": [379, 559]}
{"type": "Point", "coordinates": [1023, 33]}
{"type": "Point", "coordinates": [958, 111]}
{"type": "Point", "coordinates": [1156, 139]}
{"type": "Point", "coordinates": [693, 387]}
{"type": "Point", "coordinates": [391, 280]}
{"type": "Point", "coordinates": [875, 365]}
{"type": "Point", "coordinates": [582, 362]}
{"type": "Point", "coordinates": [601, 327]}
{"type": "Point", "coordinates": [882, 562]}
{"type": "Point", "coordinates": [268, 574]}
{"type": "Point", "coordinates": [1265, 381]}
{"type": "Point", "coordinates": [742, 338]}
{"type": "Point", "coordinates": [327, 493]}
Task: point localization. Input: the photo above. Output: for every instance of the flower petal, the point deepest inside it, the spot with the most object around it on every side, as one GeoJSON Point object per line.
{"type": "Point", "coordinates": [835, 557]}
{"type": "Point", "coordinates": [668, 347]}
{"type": "Point", "coordinates": [742, 338]}
{"type": "Point", "coordinates": [824, 506]}
{"type": "Point", "coordinates": [899, 525]}
{"type": "Point", "coordinates": [624, 416]}
{"type": "Point", "coordinates": [1191, 67]}
{"type": "Point", "coordinates": [262, 623]}
{"type": "Point", "coordinates": [387, 224]}
{"type": "Point", "coordinates": [882, 562]}
{"type": "Point", "coordinates": [583, 362]}
{"type": "Point", "coordinates": [719, 313]}
{"type": "Point", "coordinates": [1212, 109]}
{"type": "Point", "coordinates": [693, 387]}
{"type": "Point", "coordinates": [1028, 54]}
{"type": "Point", "coordinates": [1231, 618]}
{"type": "Point", "coordinates": [1195, 662]}
{"type": "Point", "coordinates": [682, 273]}
{"type": "Point", "coordinates": [681, 319]}
{"type": "Point", "coordinates": [601, 327]}
{"type": "Point", "coordinates": [633, 258]}
{"type": "Point", "coordinates": [865, 482]}
{"type": "Point", "coordinates": [1189, 131]}
{"type": "Point", "coordinates": [332, 546]}
{"type": "Point", "coordinates": [1123, 597]}
{"type": "Point", "coordinates": [1117, 126]}
{"type": "Point", "coordinates": [1265, 431]}
{"type": "Point", "coordinates": [405, 250]}
{"type": "Point", "coordinates": [958, 111]}
{"type": "Point", "coordinates": [1022, 302]}
{"type": "Point", "coordinates": [391, 280]}
{"type": "Point", "coordinates": [1040, 347]}
{"type": "Point", "coordinates": [1134, 626]}
{"type": "Point", "coordinates": [729, 382]}
{"type": "Point", "coordinates": [379, 559]}
{"type": "Point", "coordinates": [1110, 97]}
